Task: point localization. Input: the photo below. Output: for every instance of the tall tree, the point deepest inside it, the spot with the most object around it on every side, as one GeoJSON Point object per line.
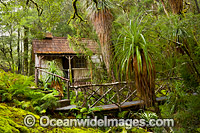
{"type": "Point", "coordinates": [31, 64]}
{"type": "Point", "coordinates": [18, 51]}
{"type": "Point", "coordinates": [102, 21]}
{"type": "Point", "coordinates": [26, 50]}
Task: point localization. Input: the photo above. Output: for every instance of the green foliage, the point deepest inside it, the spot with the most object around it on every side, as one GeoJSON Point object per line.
{"type": "Point", "coordinates": [83, 112]}
{"type": "Point", "coordinates": [176, 44]}
{"type": "Point", "coordinates": [16, 88]}
{"type": "Point", "coordinates": [48, 101]}
{"type": "Point", "coordinates": [190, 79]}
{"type": "Point", "coordinates": [53, 68]}
{"type": "Point", "coordinates": [74, 98]}
{"type": "Point", "coordinates": [184, 108]}
{"type": "Point", "coordinates": [173, 43]}
{"type": "Point", "coordinates": [124, 130]}
{"type": "Point", "coordinates": [147, 115]}
{"type": "Point", "coordinates": [122, 114]}
{"type": "Point", "coordinates": [12, 121]}
{"type": "Point", "coordinates": [131, 43]}
{"type": "Point", "coordinates": [39, 17]}
{"type": "Point", "coordinates": [10, 126]}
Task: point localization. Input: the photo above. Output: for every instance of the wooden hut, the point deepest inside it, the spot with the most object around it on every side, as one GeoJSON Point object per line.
{"type": "Point", "coordinates": [58, 49]}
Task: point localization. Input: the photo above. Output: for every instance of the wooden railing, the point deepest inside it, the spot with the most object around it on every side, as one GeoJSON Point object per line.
{"type": "Point", "coordinates": [109, 93]}
{"type": "Point", "coordinates": [91, 95]}
{"type": "Point", "coordinates": [66, 80]}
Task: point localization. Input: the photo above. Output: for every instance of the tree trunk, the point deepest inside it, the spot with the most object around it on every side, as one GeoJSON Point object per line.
{"type": "Point", "coordinates": [197, 6]}
{"type": "Point", "coordinates": [4, 53]}
{"type": "Point", "coordinates": [145, 80]}
{"type": "Point", "coordinates": [11, 52]}
{"type": "Point", "coordinates": [102, 21]}
{"type": "Point", "coordinates": [26, 50]}
{"type": "Point", "coordinates": [176, 5]}
{"type": "Point", "coordinates": [31, 68]}
{"type": "Point", "coordinates": [21, 53]}
{"type": "Point", "coordinates": [18, 52]}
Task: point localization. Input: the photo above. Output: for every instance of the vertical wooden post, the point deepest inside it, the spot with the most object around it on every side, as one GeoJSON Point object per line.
{"type": "Point", "coordinates": [37, 62]}
{"type": "Point", "coordinates": [36, 76]}
{"type": "Point", "coordinates": [70, 69]}
{"type": "Point", "coordinates": [68, 93]}
{"type": "Point", "coordinates": [76, 91]}
{"type": "Point", "coordinates": [90, 64]}
{"type": "Point", "coordinates": [85, 99]}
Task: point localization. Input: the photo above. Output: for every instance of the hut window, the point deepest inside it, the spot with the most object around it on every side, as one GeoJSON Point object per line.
{"type": "Point", "coordinates": [80, 62]}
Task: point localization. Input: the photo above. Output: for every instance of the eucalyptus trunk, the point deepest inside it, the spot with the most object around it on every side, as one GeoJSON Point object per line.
{"type": "Point", "coordinates": [31, 64]}
{"type": "Point", "coordinates": [25, 50]}
{"type": "Point", "coordinates": [11, 51]}
{"type": "Point", "coordinates": [18, 52]}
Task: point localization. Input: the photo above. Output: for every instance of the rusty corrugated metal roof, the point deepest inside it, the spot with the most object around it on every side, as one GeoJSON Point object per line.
{"type": "Point", "coordinates": [59, 45]}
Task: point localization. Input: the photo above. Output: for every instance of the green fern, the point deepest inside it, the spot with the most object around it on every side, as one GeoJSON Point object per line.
{"type": "Point", "coordinates": [15, 88]}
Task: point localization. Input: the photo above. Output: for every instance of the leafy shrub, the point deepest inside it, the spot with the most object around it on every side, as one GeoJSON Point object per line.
{"type": "Point", "coordinates": [184, 108]}
{"type": "Point", "coordinates": [53, 68]}
{"type": "Point", "coordinates": [15, 88]}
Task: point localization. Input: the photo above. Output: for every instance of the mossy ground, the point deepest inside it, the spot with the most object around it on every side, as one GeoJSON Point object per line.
{"type": "Point", "coordinates": [11, 120]}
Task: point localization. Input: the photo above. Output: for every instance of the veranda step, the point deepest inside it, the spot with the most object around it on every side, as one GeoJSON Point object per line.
{"type": "Point", "coordinates": [66, 108]}
{"type": "Point", "coordinates": [46, 92]}
{"type": "Point", "coordinates": [63, 103]}
{"type": "Point", "coordinates": [59, 96]}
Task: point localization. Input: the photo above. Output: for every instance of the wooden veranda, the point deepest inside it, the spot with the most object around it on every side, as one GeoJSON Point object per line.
{"type": "Point", "coordinates": [107, 96]}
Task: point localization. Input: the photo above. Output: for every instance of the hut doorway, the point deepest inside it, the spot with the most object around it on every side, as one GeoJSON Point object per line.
{"type": "Point", "coordinates": [65, 64]}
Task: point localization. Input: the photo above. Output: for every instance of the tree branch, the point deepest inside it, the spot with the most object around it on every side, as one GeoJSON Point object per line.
{"type": "Point", "coordinates": [75, 13]}
{"type": "Point", "coordinates": [181, 45]}
{"type": "Point", "coordinates": [163, 4]}
{"type": "Point", "coordinates": [96, 3]}
{"type": "Point", "coordinates": [3, 3]}
{"type": "Point", "coordinates": [39, 9]}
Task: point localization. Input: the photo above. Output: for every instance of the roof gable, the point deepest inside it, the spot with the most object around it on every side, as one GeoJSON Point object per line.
{"type": "Point", "coordinates": [60, 45]}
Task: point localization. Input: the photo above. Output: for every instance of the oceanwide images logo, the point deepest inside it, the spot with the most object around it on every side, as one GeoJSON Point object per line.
{"type": "Point", "coordinates": [45, 121]}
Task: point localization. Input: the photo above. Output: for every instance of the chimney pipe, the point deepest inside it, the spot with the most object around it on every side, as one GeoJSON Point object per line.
{"type": "Point", "coordinates": [49, 36]}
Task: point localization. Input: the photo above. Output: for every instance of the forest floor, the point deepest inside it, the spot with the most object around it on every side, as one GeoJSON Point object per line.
{"type": "Point", "coordinates": [12, 120]}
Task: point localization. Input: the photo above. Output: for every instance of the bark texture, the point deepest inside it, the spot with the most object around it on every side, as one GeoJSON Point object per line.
{"type": "Point", "coordinates": [176, 5]}
{"type": "Point", "coordinates": [102, 21]}
{"type": "Point", "coordinates": [145, 80]}
{"type": "Point", "coordinates": [25, 50]}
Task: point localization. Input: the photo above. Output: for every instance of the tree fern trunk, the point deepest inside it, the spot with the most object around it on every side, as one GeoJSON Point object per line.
{"type": "Point", "coordinates": [102, 21]}
{"type": "Point", "coordinates": [176, 5]}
